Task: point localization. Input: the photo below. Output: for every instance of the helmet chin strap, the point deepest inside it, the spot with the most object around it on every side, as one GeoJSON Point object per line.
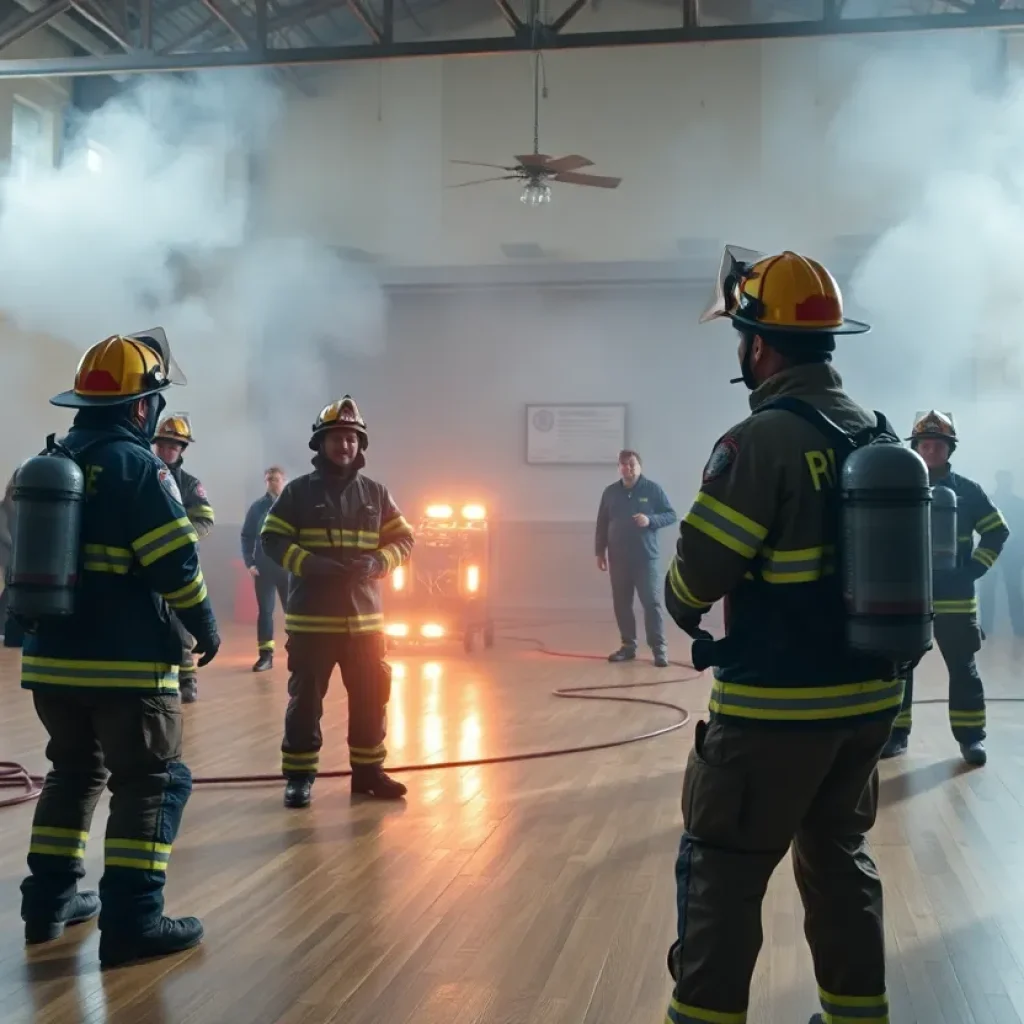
{"type": "Point", "coordinates": [746, 370]}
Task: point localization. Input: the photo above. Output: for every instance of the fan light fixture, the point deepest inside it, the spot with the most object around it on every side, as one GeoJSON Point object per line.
{"type": "Point", "coordinates": [536, 193]}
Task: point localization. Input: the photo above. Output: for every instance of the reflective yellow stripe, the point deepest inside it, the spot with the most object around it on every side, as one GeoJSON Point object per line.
{"type": "Point", "coordinates": [368, 755]}
{"type": "Point", "coordinates": [730, 528]}
{"type": "Point", "coordinates": [395, 528]}
{"type": "Point", "coordinates": [300, 762]}
{"type": "Point", "coordinates": [968, 719]}
{"type": "Point", "coordinates": [681, 590]}
{"type": "Point", "coordinates": [800, 565]}
{"type": "Point", "coordinates": [364, 540]}
{"type": "Point", "coordinates": [201, 512]}
{"type": "Point", "coordinates": [372, 623]}
{"type": "Point", "coordinates": [189, 595]}
{"type": "Point", "coordinates": [393, 555]}
{"type": "Point", "coordinates": [293, 558]}
{"type": "Point", "coordinates": [58, 842]}
{"type": "Point", "coordinates": [966, 606]}
{"type": "Point", "coordinates": [275, 524]}
{"type": "Point", "coordinates": [904, 720]}
{"type": "Point", "coordinates": [805, 703]}
{"type": "Point", "coordinates": [680, 1013]}
{"type": "Point", "coordinates": [993, 521]}
{"type": "Point", "coordinates": [103, 558]}
{"type": "Point", "coordinates": [121, 675]}
{"type": "Point", "coordinates": [986, 556]}
{"type": "Point", "coordinates": [265, 645]}
{"type": "Point", "coordinates": [136, 853]}
{"type": "Point", "coordinates": [152, 546]}
{"type": "Point", "coordinates": [853, 1009]}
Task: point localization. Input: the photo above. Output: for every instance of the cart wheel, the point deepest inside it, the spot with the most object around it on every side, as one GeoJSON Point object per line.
{"type": "Point", "coordinates": [489, 635]}
{"type": "Point", "coordinates": [468, 641]}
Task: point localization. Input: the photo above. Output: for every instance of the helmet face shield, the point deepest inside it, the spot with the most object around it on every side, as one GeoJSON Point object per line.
{"type": "Point", "coordinates": [735, 260]}
{"type": "Point", "coordinates": [156, 338]}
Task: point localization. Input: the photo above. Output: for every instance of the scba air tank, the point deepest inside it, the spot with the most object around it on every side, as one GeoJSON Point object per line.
{"type": "Point", "coordinates": [943, 528]}
{"type": "Point", "coordinates": [887, 552]}
{"type": "Point", "coordinates": [48, 494]}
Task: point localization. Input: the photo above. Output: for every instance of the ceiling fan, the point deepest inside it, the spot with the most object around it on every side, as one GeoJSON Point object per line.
{"type": "Point", "coordinates": [536, 169]}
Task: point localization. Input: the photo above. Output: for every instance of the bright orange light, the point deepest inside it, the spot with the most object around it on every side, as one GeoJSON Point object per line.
{"type": "Point", "coordinates": [398, 578]}
{"type": "Point", "coordinates": [474, 512]}
{"type": "Point", "coordinates": [431, 671]}
{"type": "Point", "coordinates": [439, 511]}
{"type": "Point", "coordinates": [431, 630]}
{"type": "Point", "coordinates": [397, 669]}
{"type": "Point", "coordinates": [473, 578]}
{"type": "Point", "coordinates": [396, 629]}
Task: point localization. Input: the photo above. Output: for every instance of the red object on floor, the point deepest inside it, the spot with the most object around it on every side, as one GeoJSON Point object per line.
{"type": "Point", "coordinates": [245, 594]}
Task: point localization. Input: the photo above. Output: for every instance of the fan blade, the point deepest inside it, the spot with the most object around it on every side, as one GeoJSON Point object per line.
{"type": "Point", "coordinates": [596, 180]}
{"type": "Point", "coordinates": [474, 163]}
{"type": "Point", "coordinates": [534, 159]}
{"type": "Point", "coordinates": [480, 181]}
{"type": "Point", "coordinates": [568, 163]}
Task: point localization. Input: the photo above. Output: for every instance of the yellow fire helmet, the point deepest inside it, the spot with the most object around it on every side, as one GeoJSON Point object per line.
{"type": "Point", "coordinates": [177, 427]}
{"type": "Point", "coordinates": [341, 415]}
{"type": "Point", "coordinates": [121, 369]}
{"type": "Point", "coordinates": [934, 424]}
{"type": "Point", "coordinates": [786, 292]}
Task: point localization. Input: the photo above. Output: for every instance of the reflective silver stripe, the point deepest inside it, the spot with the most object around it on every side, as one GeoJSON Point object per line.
{"type": "Point", "coordinates": [126, 675]}
{"type": "Point", "coordinates": [101, 558]}
{"type": "Point", "coordinates": [730, 528]}
{"type": "Point", "coordinates": [803, 565]}
{"type": "Point", "coordinates": [152, 546]}
{"type": "Point", "coordinates": [132, 853]}
{"type": "Point", "coordinates": [793, 702]}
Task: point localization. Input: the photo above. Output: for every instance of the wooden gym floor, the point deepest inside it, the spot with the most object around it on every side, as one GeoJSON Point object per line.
{"type": "Point", "coordinates": [538, 892]}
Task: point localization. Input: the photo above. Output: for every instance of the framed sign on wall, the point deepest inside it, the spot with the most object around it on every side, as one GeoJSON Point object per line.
{"type": "Point", "coordinates": [578, 434]}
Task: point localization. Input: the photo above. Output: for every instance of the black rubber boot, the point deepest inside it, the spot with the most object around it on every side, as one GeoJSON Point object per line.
{"type": "Point", "coordinates": [895, 746]}
{"type": "Point", "coordinates": [974, 753]}
{"type": "Point", "coordinates": [817, 1019]}
{"type": "Point", "coordinates": [264, 662]}
{"type": "Point", "coordinates": [189, 690]}
{"type": "Point", "coordinates": [660, 659]}
{"type": "Point", "coordinates": [371, 780]}
{"type": "Point", "coordinates": [82, 907]}
{"type": "Point", "coordinates": [623, 654]}
{"type": "Point", "coordinates": [673, 954]}
{"type": "Point", "coordinates": [297, 793]}
{"type": "Point", "coordinates": [171, 935]}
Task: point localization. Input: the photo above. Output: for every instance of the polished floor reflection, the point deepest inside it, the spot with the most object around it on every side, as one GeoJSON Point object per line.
{"type": "Point", "coordinates": [537, 892]}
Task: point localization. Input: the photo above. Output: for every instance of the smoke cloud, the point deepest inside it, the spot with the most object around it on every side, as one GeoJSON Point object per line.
{"type": "Point", "coordinates": [152, 219]}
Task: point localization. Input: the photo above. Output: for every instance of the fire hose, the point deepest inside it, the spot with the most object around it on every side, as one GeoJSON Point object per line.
{"type": "Point", "coordinates": [15, 776]}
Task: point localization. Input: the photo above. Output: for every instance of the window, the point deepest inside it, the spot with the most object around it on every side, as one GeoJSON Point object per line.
{"type": "Point", "coordinates": [31, 139]}
{"type": "Point", "coordinates": [96, 157]}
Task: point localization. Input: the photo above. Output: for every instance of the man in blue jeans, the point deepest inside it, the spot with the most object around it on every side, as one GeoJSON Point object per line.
{"type": "Point", "coordinates": [628, 519]}
{"type": "Point", "coordinates": [267, 576]}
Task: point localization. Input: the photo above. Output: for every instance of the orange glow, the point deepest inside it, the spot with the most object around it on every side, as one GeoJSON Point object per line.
{"type": "Point", "coordinates": [395, 711]}
{"type": "Point", "coordinates": [439, 511]}
{"type": "Point", "coordinates": [431, 630]}
{"type": "Point", "coordinates": [473, 578]}
{"type": "Point", "coordinates": [432, 670]}
{"type": "Point", "coordinates": [474, 513]}
{"type": "Point", "coordinates": [396, 629]}
{"type": "Point", "coordinates": [397, 669]}
{"type": "Point", "coordinates": [398, 578]}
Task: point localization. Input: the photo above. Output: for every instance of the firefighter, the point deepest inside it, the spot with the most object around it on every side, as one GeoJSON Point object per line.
{"type": "Point", "coordinates": [934, 438]}
{"type": "Point", "coordinates": [338, 533]}
{"type": "Point", "coordinates": [105, 679]}
{"type": "Point", "coordinates": [797, 721]}
{"type": "Point", "coordinates": [173, 436]}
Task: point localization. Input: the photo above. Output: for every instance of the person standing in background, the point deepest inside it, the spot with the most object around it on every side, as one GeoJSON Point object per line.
{"type": "Point", "coordinates": [626, 544]}
{"type": "Point", "coordinates": [267, 576]}
{"type": "Point", "coordinates": [1010, 566]}
{"type": "Point", "coordinates": [6, 544]}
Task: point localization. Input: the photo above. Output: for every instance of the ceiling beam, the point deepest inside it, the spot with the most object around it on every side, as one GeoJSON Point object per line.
{"type": "Point", "coordinates": [543, 39]}
{"type": "Point", "coordinates": [70, 29]}
{"type": "Point", "coordinates": [21, 25]}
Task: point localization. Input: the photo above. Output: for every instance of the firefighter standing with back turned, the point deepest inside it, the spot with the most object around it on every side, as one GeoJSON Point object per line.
{"type": "Point", "coordinates": [173, 436]}
{"type": "Point", "coordinates": [104, 679]}
{"type": "Point", "coordinates": [797, 720]}
{"type": "Point", "coordinates": [934, 438]}
{"type": "Point", "coordinates": [337, 533]}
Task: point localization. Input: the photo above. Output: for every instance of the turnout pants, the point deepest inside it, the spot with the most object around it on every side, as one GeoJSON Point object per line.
{"type": "Point", "coordinates": [187, 668]}
{"type": "Point", "coordinates": [638, 576]}
{"type": "Point", "coordinates": [132, 744]}
{"type": "Point", "coordinates": [958, 639]}
{"type": "Point", "coordinates": [367, 678]}
{"type": "Point", "coordinates": [748, 793]}
{"type": "Point", "coordinates": [272, 580]}
{"type": "Point", "coordinates": [1009, 570]}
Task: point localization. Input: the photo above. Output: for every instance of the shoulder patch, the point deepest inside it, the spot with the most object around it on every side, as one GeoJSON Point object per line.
{"type": "Point", "coordinates": [168, 483]}
{"type": "Point", "coordinates": [200, 491]}
{"type": "Point", "coordinates": [722, 458]}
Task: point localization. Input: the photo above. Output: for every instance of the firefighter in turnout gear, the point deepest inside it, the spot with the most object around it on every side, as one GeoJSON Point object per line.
{"type": "Point", "coordinates": [956, 607]}
{"type": "Point", "coordinates": [338, 533]}
{"type": "Point", "coordinates": [104, 679]}
{"type": "Point", "coordinates": [797, 720]}
{"type": "Point", "coordinates": [173, 436]}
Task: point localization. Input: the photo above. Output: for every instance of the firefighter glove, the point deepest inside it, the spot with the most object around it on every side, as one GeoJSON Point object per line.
{"type": "Point", "coordinates": [371, 566]}
{"type": "Point", "coordinates": [206, 647]}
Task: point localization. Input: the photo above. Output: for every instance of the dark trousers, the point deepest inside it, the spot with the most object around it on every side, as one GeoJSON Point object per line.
{"type": "Point", "coordinates": [132, 744]}
{"type": "Point", "coordinates": [367, 678]}
{"type": "Point", "coordinates": [1009, 569]}
{"type": "Point", "coordinates": [187, 667]}
{"type": "Point", "coordinates": [747, 795]}
{"type": "Point", "coordinates": [638, 576]}
{"type": "Point", "coordinates": [272, 581]}
{"type": "Point", "coordinates": [958, 639]}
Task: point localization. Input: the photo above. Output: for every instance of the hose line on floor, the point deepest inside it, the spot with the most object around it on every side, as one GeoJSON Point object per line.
{"type": "Point", "coordinates": [14, 776]}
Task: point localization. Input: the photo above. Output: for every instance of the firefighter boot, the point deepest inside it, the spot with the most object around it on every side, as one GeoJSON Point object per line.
{"type": "Point", "coordinates": [82, 907]}
{"type": "Point", "coordinates": [895, 746]}
{"type": "Point", "coordinates": [169, 935]}
{"type": "Point", "coordinates": [974, 753]}
{"type": "Point", "coordinates": [817, 1019]}
{"type": "Point", "coordinates": [371, 780]}
{"type": "Point", "coordinates": [264, 662]}
{"type": "Point", "coordinates": [624, 653]}
{"type": "Point", "coordinates": [298, 792]}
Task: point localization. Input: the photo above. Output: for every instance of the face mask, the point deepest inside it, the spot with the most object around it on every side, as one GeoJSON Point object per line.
{"type": "Point", "coordinates": [746, 370]}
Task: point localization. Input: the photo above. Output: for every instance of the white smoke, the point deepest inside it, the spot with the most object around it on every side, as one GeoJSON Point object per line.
{"type": "Point", "coordinates": [151, 219]}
